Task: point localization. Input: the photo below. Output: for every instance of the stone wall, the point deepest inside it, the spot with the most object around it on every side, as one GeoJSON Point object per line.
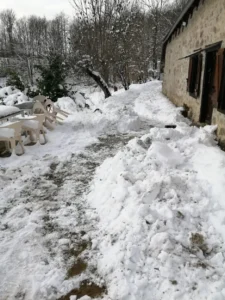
{"type": "Point", "coordinates": [205, 27]}
{"type": "Point", "coordinates": [219, 120]}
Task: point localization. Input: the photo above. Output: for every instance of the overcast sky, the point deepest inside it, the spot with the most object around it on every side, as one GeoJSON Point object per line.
{"type": "Point", "coordinates": [48, 8]}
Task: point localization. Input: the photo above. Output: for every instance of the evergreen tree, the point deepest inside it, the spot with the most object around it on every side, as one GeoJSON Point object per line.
{"type": "Point", "coordinates": [52, 81]}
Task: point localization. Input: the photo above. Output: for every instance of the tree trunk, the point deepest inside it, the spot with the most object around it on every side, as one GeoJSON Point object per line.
{"type": "Point", "coordinates": [125, 81]}
{"type": "Point", "coordinates": [30, 72]}
{"type": "Point", "coordinates": [100, 81]}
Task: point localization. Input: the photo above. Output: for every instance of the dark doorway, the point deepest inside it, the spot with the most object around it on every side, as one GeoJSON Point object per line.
{"type": "Point", "coordinates": [209, 95]}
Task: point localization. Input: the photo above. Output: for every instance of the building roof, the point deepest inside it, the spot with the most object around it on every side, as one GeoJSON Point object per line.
{"type": "Point", "coordinates": [183, 17]}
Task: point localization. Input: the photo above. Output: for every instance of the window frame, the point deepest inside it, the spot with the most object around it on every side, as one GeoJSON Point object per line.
{"type": "Point", "coordinates": [194, 75]}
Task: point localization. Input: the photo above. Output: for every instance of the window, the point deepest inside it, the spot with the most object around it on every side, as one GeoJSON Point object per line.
{"type": "Point", "coordinates": [194, 75]}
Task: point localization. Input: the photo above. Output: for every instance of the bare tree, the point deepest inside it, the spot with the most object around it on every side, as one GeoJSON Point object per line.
{"type": "Point", "coordinates": [8, 19]}
{"type": "Point", "coordinates": [121, 38]}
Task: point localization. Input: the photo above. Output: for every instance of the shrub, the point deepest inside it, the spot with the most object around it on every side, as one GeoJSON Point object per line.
{"type": "Point", "coordinates": [52, 81]}
{"type": "Point", "coordinates": [15, 81]}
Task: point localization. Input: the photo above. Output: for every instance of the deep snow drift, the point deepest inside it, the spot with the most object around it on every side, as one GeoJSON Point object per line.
{"type": "Point", "coordinates": [154, 211]}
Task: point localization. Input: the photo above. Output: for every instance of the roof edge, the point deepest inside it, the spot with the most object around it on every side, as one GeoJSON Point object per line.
{"type": "Point", "coordinates": [181, 17]}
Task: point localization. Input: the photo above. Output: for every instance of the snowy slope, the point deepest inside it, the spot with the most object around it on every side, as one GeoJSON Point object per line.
{"type": "Point", "coordinates": [153, 212]}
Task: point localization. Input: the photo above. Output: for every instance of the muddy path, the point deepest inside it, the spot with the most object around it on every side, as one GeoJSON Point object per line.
{"type": "Point", "coordinates": [79, 173]}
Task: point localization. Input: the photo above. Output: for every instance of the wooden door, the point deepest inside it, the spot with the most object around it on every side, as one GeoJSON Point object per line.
{"type": "Point", "coordinates": [211, 97]}
{"type": "Point", "coordinates": [212, 82]}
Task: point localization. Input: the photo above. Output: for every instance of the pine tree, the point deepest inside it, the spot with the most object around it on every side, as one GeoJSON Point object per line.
{"type": "Point", "coordinates": [52, 81]}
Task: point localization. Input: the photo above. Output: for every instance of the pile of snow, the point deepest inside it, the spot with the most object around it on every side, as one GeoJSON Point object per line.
{"type": "Point", "coordinates": [71, 105]}
{"type": "Point", "coordinates": [66, 103]}
{"type": "Point", "coordinates": [129, 123]}
{"type": "Point", "coordinates": [157, 207]}
{"type": "Point", "coordinates": [7, 110]}
{"type": "Point", "coordinates": [94, 96]}
{"type": "Point", "coordinates": [79, 100]}
{"type": "Point", "coordinates": [6, 91]}
{"type": "Point", "coordinates": [161, 152]}
{"type": "Point", "coordinates": [12, 96]}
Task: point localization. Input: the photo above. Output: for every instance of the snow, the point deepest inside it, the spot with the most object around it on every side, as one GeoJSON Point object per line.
{"type": "Point", "coordinates": [15, 98]}
{"type": "Point", "coordinates": [148, 206]}
{"type": "Point", "coordinates": [26, 117]}
{"type": "Point", "coordinates": [12, 96]}
{"type": "Point", "coordinates": [153, 211]}
{"type": "Point", "coordinates": [164, 154]}
{"type": "Point", "coordinates": [6, 132]}
{"type": "Point", "coordinates": [7, 110]}
{"type": "Point", "coordinates": [70, 105]}
{"type": "Point", "coordinates": [79, 99]}
{"type": "Point", "coordinates": [5, 91]}
{"type": "Point", "coordinates": [31, 124]}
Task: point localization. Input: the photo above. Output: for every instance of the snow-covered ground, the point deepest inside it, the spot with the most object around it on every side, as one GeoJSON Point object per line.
{"type": "Point", "coordinates": [116, 206]}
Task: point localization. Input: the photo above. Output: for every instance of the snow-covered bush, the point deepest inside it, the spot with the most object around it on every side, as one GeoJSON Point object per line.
{"type": "Point", "coordinates": [15, 81]}
{"type": "Point", "coordinates": [32, 91]}
{"type": "Point", "coordinates": [11, 96]}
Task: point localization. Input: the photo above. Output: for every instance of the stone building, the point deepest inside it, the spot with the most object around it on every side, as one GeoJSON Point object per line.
{"type": "Point", "coordinates": [194, 65]}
